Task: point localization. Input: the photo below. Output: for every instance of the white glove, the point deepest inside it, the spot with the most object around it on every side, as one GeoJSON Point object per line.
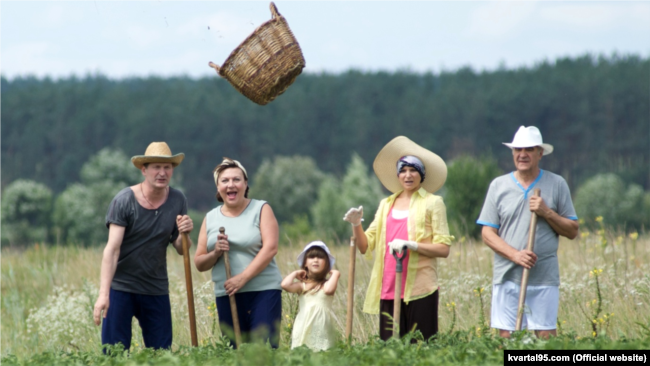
{"type": "Point", "coordinates": [398, 244]}
{"type": "Point", "coordinates": [354, 216]}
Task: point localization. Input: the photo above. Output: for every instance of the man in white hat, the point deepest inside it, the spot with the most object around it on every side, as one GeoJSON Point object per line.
{"type": "Point", "coordinates": [142, 221]}
{"type": "Point", "coordinates": [505, 218]}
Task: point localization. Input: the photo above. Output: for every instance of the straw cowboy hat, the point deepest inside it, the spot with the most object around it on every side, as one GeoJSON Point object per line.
{"type": "Point", "coordinates": [529, 137]}
{"type": "Point", "coordinates": [385, 164]}
{"type": "Point", "coordinates": [157, 152]}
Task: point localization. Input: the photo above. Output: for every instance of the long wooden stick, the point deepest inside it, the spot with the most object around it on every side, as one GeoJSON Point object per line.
{"type": "Point", "coordinates": [397, 302]}
{"type": "Point", "coordinates": [350, 317]}
{"type": "Point", "coordinates": [233, 303]}
{"type": "Point", "coordinates": [524, 276]}
{"type": "Point", "coordinates": [190, 289]}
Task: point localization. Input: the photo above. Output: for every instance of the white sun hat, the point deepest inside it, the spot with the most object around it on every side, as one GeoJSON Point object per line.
{"type": "Point", "coordinates": [317, 243]}
{"type": "Point", "coordinates": [529, 137]}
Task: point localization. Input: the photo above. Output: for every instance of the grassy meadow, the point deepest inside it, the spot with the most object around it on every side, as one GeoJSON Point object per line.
{"type": "Point", "coordinates": [48, 293]}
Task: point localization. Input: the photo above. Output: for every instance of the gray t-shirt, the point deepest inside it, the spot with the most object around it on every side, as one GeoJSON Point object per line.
{"type": "Point", "coordinates": [142, 264]}
{"type": "Point", "coordinates": [506, 209]}
{"type": "Point", "coordinates": [245, 241]}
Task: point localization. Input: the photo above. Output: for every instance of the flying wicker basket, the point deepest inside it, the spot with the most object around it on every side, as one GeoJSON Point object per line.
{"type": "Point", "coordinates": [266, 63]}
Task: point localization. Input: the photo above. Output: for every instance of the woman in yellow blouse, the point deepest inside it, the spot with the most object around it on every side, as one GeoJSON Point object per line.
{"type": "Point", "coordinates": [412, 217]}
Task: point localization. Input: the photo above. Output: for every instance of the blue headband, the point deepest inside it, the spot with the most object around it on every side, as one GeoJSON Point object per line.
{"type": "Point", "coordinates": [412, 161]}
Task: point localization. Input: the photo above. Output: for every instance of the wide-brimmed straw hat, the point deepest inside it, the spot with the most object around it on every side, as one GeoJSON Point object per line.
{"type": "Point", "coordinates": [529, 137]}
{"type": "Point", "coordinates": [157, 152]}
{"type": "Point", "coordinates": [385, 165]}
{"type": "Point", "coordinates": [317, 243]}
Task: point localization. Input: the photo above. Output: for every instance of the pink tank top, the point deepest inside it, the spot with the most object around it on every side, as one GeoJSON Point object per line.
{"type": "Point", "coordinates": [395, 229]}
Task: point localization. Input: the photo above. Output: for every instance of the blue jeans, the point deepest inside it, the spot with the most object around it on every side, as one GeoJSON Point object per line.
{"type": "Point", "coordinates": [153, 313]}
{"type": "Point", "coordinates": [259, 314]}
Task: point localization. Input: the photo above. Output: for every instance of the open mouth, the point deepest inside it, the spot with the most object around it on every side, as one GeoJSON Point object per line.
{"type": "Point", "coordinates": [231, 195]}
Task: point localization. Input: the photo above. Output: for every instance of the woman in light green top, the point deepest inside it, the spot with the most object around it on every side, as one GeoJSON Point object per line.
{"type": "Point", "coordinates": [413, 218]}
{"type": "Point", "coordinates": [251, 239]}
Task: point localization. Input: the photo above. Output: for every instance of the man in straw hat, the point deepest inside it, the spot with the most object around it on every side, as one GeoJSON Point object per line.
{"type": "Point", "coordinates": [412, 217]}
{"type": "Point", "coordinates": [142, 220]}
{"type": "Point", "coordinates": [505, 217]}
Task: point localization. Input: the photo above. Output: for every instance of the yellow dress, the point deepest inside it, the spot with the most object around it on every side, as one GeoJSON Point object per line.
{"type": "Point", "coordinates": [314, 324]}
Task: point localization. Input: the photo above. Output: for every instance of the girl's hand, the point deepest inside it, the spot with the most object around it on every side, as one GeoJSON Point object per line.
{"type": "Point", "coordinates": [301, 275]}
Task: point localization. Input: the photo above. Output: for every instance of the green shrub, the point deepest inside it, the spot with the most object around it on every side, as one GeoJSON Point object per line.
{"type": "Point", "coordinates": [358, 188]}
{"type": "Point", "coordinates": [26, 207]}
{"type": "Point", "coordinates": [288, 184]}
{"type": "Point", "coordinates": [468, 179]}
{"type": "Point", "coordinates": [606, 195]}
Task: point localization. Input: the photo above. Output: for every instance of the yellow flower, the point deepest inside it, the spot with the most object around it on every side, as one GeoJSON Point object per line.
{"type": "Point", "coordinates": [581, 221]}
{"type": "Point", "coordinates": [634, 235]}
{"type": "Point", "coordinates": [599, 219]}
{"type": "Point", "coordinates": [593, 301]}
{"type": "Point", "coordinates": [584, 234]}
{"type": "Point", "coordinates": [593, 334]}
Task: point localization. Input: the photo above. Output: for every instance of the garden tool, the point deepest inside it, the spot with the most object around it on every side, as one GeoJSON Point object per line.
{"type": "Point", "coordinates": [353, 253]}
{"type": "Point", "coordinates": [233, 303]}
{"type": "Point", "coordinates": [524, 276]}
{"type": "Point", "coordinates": [397, 304]}
{"type": "Point", "coordinates": [190, 289]}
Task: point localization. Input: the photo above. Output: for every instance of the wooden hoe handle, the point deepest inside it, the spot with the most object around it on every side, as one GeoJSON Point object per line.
{"type": "Point", "coordinates": [397, 300]}
{"type": "Point", "coordinates": [525, 274]}
{"type": "Point", "coordinates": [350, 316]}
{"type": "Point", "coordinates": [190, 289]}
{"type": "Point", "coordinates": [233, 303]}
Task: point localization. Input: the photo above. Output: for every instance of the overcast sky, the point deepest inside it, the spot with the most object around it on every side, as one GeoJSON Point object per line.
{"type": "Point", "coordinates": [173, 38]}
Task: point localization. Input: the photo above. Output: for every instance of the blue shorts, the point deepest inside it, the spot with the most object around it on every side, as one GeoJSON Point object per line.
{"type": "Point", "coordinates": [259, 314]}
{"type": "Point", "coordinates": [153, 313]}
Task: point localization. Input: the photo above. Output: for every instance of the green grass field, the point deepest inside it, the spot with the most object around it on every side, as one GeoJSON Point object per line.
{"type": "Point", "coordinates": [48, 294]}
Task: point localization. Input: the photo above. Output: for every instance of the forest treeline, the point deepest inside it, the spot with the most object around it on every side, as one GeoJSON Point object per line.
{"type": "Point", "coordinates": [595, 110]}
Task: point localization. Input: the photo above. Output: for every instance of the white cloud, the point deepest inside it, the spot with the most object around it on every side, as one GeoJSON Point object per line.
{"type": "Point", "coordinates": [597, 16]}
{"type": "Point", "coordinates": [228, 26]}
{"type": "Point", "coordinates": [143, 36]}
{"type": "Point", "coordinates": [498, 19]}
{"type": "Point", "coordinates": [57, 14]}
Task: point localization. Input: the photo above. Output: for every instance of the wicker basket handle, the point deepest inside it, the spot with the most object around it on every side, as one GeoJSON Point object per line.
{"type": "Point", "coordinates": [214, 66]}
{"type": "Point", "coordinates": [274, 11]}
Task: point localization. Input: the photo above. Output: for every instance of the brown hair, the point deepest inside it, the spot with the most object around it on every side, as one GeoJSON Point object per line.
{"type": "Point", "coordinates": [317, 252]}
{"type": "Point", "coordinates": [227, 164]}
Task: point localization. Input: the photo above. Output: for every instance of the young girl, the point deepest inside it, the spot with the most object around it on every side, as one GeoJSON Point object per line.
{"type": "Point", "coordinates": [314, 324]}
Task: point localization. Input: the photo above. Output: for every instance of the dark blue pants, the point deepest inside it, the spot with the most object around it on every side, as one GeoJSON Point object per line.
{"type": "Point", "coordinates": [153, 313]}
{"type": "Point", "coordinates": [259, 314]}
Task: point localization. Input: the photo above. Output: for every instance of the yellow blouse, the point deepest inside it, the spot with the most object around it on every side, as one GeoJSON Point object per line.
{"type": "Point", "coordinates": [427, 221]}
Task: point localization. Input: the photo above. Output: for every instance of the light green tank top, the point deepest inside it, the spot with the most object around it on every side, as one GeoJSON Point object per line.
{"type": "Point", "coordinates": [245, 242]}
